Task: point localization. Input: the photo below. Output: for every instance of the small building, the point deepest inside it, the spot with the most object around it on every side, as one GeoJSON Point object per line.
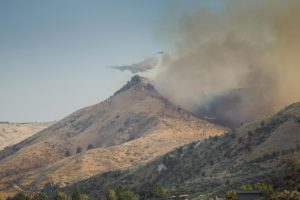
{"type": "Point", "coordinates": [250, 195]}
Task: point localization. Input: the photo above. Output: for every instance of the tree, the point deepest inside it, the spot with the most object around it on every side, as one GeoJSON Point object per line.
{"type": "Point", "coordinates": [123, 193]}
{"type": "Point", "coordinates": [84, 197]}
{"type": "Point", "coordinates": [264, 188]}
{"type": "Point", "coordinates": [159, 191]}
{"type": "Point", "coordinates": [90, 146]}
{"type": "Point", "coordinates": [40, 196]}
{"type": "Point", "coordinates": [111, 195]}
{"type": "Point", "coordinates": [62, 196]}
{"type": "Point", "coordinates": [127, 195]}
{"type": "Point", "coordinates": [250, 133]}
{"type": "Point", "coordinates": [76, 194]}
{"type": "Point", "coordinates": [231, 195]}
{"type": "Point", "coordinates": [293, 167]}
{"type": "Point", "coordinates": [67, 153]}
{"type": "Point", "coordinates": [78, 150]}
{"type": "Point", "coordinates": [20, 196]}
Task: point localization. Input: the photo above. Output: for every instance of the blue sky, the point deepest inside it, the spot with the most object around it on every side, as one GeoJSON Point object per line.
{"type": "Point", "coordinates": [54, 55]}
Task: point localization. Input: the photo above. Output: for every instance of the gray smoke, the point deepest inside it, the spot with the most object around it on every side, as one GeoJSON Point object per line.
{"type": "Point", "coordinates": [237, 63]}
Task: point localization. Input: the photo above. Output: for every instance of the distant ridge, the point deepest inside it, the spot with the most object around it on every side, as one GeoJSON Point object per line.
{"type": "Point", "coordinates": [12, 133]}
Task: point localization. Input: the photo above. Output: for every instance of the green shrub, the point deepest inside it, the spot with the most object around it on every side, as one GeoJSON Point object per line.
{"type": "Point", "coordinates": [158, 191]}
{"type": "Point", "coordinates": [90, 146]}
{"type": "Point", "coordinates": [84, 197]}
{"type": "Point", "coordinates": [246, 187]}
{"type": "Point", "coordinates": [231, 195]}
{"type": "Point", "coordinates": [40, 196]}
{"type": "Point", "coordinates": [127, 195]}
{"type": "Point", "coordinates": [293, 167]}
{"type": "Point", "coordinates": [20, 196]}
{"type": "Point", "coordinates": [67, 153]}
{"type": "Point", "coordinates": [111, 195]}
{"type": "Point", "coordinates": [76, 194]}
{"type": "Point", "coordinates": [266, 189]}
{"type": "Point", "coordinates": [123, 193]}
{"type": "Point", "coordinates": [62, 196]}
{"type": "Point", "coordinates": [78, 150]}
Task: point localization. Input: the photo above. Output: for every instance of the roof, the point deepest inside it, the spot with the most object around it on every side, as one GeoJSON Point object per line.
{"type": "Point", "coordinates": [249, 192]}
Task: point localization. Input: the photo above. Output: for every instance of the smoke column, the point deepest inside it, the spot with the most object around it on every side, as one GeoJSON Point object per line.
{"type": "Point", "coordinates": [248, 49]}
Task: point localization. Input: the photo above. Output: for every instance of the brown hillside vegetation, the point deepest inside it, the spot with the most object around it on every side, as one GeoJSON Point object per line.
{"type": "Point", "coordinates": [13, 133]}
{"type": "Point", "coordinates": [133, 126]}
{"type": "Point", "coordinates": [252, 153]}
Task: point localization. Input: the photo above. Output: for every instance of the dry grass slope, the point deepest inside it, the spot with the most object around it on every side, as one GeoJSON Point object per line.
{"type": "Point", "coordinates": [249, 154]}
{"type": "Point", "coordinates": [132, 127]}
{"type": "Point", "coordinates": [13, 133]}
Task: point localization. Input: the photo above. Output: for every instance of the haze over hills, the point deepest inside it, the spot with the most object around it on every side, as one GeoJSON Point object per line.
{"type": "Point", "coordinates": [206, 122]}
{"type": "Point", "coordinates": [252, 153]}
{"type": "Point", "coordinates": [13, 133]}
{"type": "Point", "coordinates": [132, 127]}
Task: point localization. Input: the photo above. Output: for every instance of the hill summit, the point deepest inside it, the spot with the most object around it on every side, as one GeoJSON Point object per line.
{"type": "Point", "coordinates": [132, 127]}
{"type": "Point", "coordinates": [138, 81]}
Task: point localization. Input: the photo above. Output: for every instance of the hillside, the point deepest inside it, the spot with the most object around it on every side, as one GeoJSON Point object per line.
{"type": "Point", "coordinates": [13, 133]}
{"type": "Point", "coordinates": [133, 126]}
{"type": "Point", "coordinates": [254, 152]}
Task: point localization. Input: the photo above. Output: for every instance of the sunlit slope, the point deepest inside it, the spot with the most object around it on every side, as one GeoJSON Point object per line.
{"type": "Point", "coordinates": [133, 126]}
{"type": "Point", "coordinates": [253, 153]}
{"type": "Point", "coordinates": [13, 133]}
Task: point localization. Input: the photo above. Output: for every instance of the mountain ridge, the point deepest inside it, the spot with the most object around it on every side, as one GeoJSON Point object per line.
{"type": "Point", "coordinates": [133, 126]}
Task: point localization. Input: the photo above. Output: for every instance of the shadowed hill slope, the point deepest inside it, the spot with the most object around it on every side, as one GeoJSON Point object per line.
{"type": "Point", "coordinates": [252, 153]}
